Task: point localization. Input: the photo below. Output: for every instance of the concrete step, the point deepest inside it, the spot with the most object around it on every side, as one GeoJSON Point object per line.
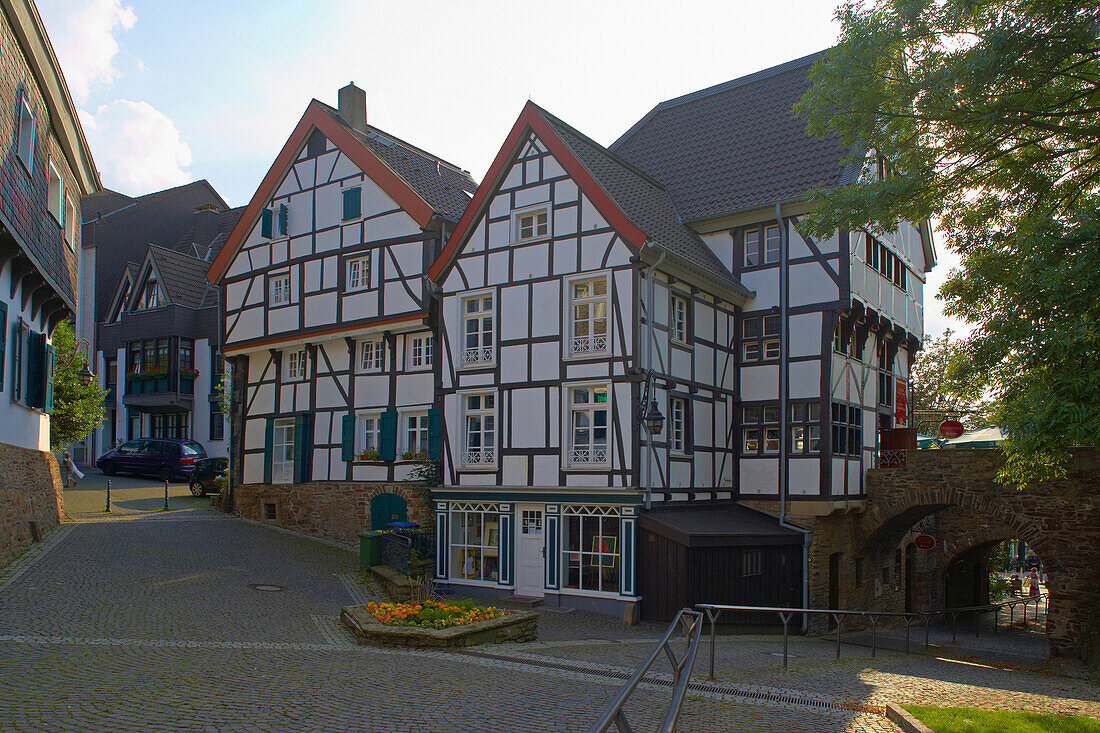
{"type": "Point", "coordinates": [522, 602]}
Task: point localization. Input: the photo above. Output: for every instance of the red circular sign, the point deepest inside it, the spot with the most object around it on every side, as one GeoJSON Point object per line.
{"type": "Point", "coordinates": [951, 428]}
{"type": "Point", "coordinates": [924, 541]}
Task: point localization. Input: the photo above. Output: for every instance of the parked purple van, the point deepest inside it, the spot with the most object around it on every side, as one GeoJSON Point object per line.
{"type": "Point", "coordinates": [164, 458]}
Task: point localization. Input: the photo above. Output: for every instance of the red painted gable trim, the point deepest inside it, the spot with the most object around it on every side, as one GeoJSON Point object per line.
{"type": "Point", "coordinates": [529, 118]}
{"type": "Point", "coordinates": [316, 116]}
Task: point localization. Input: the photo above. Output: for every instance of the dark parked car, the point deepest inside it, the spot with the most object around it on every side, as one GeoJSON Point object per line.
{"type": "Point", "coordinates": [165, 458]}
{"type": "Point", "coordinates": [206, 470]}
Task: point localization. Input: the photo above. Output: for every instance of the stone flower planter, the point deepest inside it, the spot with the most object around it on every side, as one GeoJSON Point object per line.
{"type": "Point", "coordinates": [515, 626]}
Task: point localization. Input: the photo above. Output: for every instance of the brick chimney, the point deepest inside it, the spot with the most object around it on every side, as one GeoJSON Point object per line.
{"type": "Point", "coordinates": [206, 226]}
{"type": "Point", "coordinates": [353, 107]}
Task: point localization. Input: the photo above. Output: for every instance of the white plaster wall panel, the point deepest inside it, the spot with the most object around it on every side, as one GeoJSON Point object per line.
{"type": "Point", "coordinates": [759, 475]}
{"type": "Point", "coordinates": [704, 471]}
{"type": "Point", "coordinates": [797, 245]}
{"type": "Point", "coordinates": [254, 434]}
{"type": "Point", "coordinates": [498, 268]}
{"type": "Point", "coordinates": [369, 472]}
{"type": "Point", "coordinates": [565, 221]}
{"type": "Point", "coordinates": [409, 256]}
{"type": "Point", "coordinates": [398, 299]}
{"type": "Point", "coordinates": [527, 422]}
{"type": "Point", "coordinates": [235, 294]}
{"type": "Point", "coordinates": [531, 262]}
{"type": "Point", "coordinates": [593, 247]}
{"type": "Point", "coordinates": [312, 275]}
{"type": "Point", "coordinates": [805, 379]}
{"type": "Point", "coordinates": [586, 370]}
{"type": "Point", "coordinates": [391, 226]}
{"type": "Point", "coordinates": [360, 305]}
{"type": "Point", "coordinates": [475, 379]}
{"type": "Point", "coordinates": [375, 200]}
{"type": "Point", "coordinates": [805, 476]}
{"type": "Point", "coordinates": [239, 265]}
{"type": "Point", "coordinates": [372, 390]}
{"type": "Point", "coordinates": [414, 388]}
{"type": "Point", "coordinates": [759, 382]}
{"type": "Point", "coordinates": [337, 354]}
{"type": "Point", "coordinates": [721, 244]}
{"type": "Point", "coordinates": [565, 191]}
{"type": "Point", "coordinates": [551, 168]}
{"type": "Point", "coordinates": [681, 364]}
{"type": "Point", "coordinates": [838, 484]}
{"type": "Point", "coordinates": [322, 468]}
{"type": "Point", "coordinates": [474, 270]}
{"type": "Point", "coordinates": [565, 256]}
{"type": "Point", "coordinates": [660, 302]}
{"type": "Point", "coordinates": [476, 241]}
{"type": "Point", "coordinates": [545, 300]}
{"type": "Point", "coordinates": [853, 476]}
{"type": "Point", "coordinates": [532, 170]}
{"type": "Point", "coordinates": [329, 268]}
{"type": "Point", "coordinates": [287, 186]}
{"type": "Point", "coordinates": [279, 252]}
{"type": "Point", "coordinates": [479, 479]}
{"type": "Point", "coordinates": [300, 214]}
{"type": "Point", "coordinates": [766, 285]}
{"type": "Point", "coordinates": [533, 195]}
{"type": "Point", "coordinates": [545, 360]}
{"type": "Point", "coordinates": [545, 470]}
{"type": "Point", "coordinates": [619, 255]}
{"type": "Point", "coordinates": [585, 479]}
{"type": "Point", "coordinates": [658, 352]}
{"type": "Point", "coordinates": [305, 170]}
{"type": "Point", "coordinates": [555, 418]}
{"type": "Point", "coordinates": [343, 169]}
{"type": "Point", "coordinates": [500, 233]}
{"type": "Point", "coordinates": [590, 217]}
{"type": "Point", "coordinates": [500, 205]}
{"type": "Point", "coordinates": [326, 241]}
{"type": "Point", "coordinates": [281, 320]}
{"type": "Point", "coordinates": [702, 418]}
{"type": "Point", "coordinates": [810, 284]}
{"type": "Point", "coordinates": [259, 257]}
{"type": "Point", "coordinates": [679, 474]}
{"type": "Point", "coordinates": [515, 320]}
{"type": "Point", "coordinates": [704, 319]}
{"type": "Point", "coordinates": [514, 177]}
{"type": "Point", "coordinates": [249, 324]}
{"type": "Point", "coordinates": [263, 400]}
{"type": "Point", "coordinates": [328, 394]}
{"type": "Point", "coordinates": [805, 334]}
{"type": "Point", "coordinates": [254, 468]}
{"type": "Point", "coordinates": [830, 245]}
{"type": "Point", "coordinates": [704, 364]}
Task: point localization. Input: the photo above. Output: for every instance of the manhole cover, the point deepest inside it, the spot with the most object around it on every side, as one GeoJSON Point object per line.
{"type": "Point", "coordinates": [266, 588]}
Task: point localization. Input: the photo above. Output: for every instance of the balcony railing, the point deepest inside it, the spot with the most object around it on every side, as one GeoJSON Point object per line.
{"type": "Point", "coordinates": [479, 457]}
{"type": "Point", "coordinates": [587, 344]}
{"type": "Point", "coordinates": [588, 455]}
{"type": "Point", "coordinates": [477, 355]}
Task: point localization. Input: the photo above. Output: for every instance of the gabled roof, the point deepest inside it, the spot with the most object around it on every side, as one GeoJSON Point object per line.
{"type": "Point", "coordinates": [182, 277]}
{"type": "Point", "coordinates": [737, 146]}
{"type": "Point", "coordinates": [121, 227]}
{"type": "Point", "coordinates": [197, 242]}
{"type": "Point", "coordinates": [637, 206]}
{"type": "Point", "coordinates": [424, 186]}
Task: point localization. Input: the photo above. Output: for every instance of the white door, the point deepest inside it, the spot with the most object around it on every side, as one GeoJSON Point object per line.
{"type": "Point", "coordinates": [529, 551]}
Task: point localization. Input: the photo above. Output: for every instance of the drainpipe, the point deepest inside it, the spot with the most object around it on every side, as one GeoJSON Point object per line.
{"type": "Point", "coordinates": [784, 432]}
{"type": "Point", "coordinates": [649, 370]}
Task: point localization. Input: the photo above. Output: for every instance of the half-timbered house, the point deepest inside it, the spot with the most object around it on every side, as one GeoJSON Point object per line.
{"type": "Point", "coordinates": [327, 314]}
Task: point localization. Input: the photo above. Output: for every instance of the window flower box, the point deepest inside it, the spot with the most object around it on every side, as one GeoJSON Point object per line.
{"type": "Point", "coordinates": [189, 373]}
{"type": "Point", "coordinates": [369, 456]}
{"type": "Point", "coordinates": [414, 456]}
{"type": "Point", "coordinates": [147, 374]}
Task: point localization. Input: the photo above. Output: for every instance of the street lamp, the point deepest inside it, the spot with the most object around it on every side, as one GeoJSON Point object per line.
{"type": "Point", "coordinates": [87, 376]}
{"type": "Point", "coordinates": [653, 420]}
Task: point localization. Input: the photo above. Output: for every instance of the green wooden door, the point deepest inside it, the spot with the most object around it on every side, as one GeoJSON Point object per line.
{"type": "Point", "coordinates": [386, 508]}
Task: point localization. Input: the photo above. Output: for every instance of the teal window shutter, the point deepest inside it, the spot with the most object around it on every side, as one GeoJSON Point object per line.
{"type": "Point", "coordinates": [269, 448]}
{"type": "Point", "coordinates": [3, 340]}
{"type": "Point", "coordinates": [353, 203]}
{"type": "Point", "coordinates": [284, 219]}
{"type": "Point", "coordinates": [49, 379]}
{"type": "Point", "coordinates": [387, 436]}
{"type": "Point", "coordinates": [302, 445]}
{"type": "Point", "coordinates": [265, 224]}
{"type": "Point", "coordinates": [36, 370]}
{"type": "Point", "coordinates": [435, 431]}
{"type": "Point", "coordinates": [347, 443]}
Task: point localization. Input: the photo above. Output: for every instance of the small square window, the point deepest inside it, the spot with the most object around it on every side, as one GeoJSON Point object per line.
{"type": "Point", "coordinates": [358, 273]}
{"type": "Point", "coordinates": [771, 325]}
{"type": "Point", "coordinates": [752, 247]}
{"type": "Point", "coordinates": [798, 412]}
{"type": "Point", "coordinates": [296, 365]}
{"type": "Point", "coordinates": [370, 356]}
{"type": "Point", "coordinates": [532, 225]}
{"type": "Point", "coordinates": [798, 439]}
{"type": "Point", "coordinates": [752, 351]}
{"type": "Point", "coordinates": [771, 440]}
{"type": "Point", "coordinates": [751, 328]}
{"type": "Point", "coordinates": [771, 349]}
{"type": "Point", "coordinates": [771, 413]}
{"type": "Point", "coordinates": [771, 245]}
{"type": "Point", "coordinates": [420, 351]}
{"type": "Point", "coordinates": [280, 289]}
{"type": "Point", "coordinates": [813, 410]}
{"type": "Point", "coordinates": [750, 415]}
{"type": "Point", "coordinates": [752, 440]}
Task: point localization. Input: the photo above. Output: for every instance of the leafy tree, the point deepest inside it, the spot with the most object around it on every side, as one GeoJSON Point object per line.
{"type": "Point", "coordinates": [989, 111]}
{"type": "Point", "coordinates": [943, 384]}
{"type": "Point", "coordinates": [77, 407]}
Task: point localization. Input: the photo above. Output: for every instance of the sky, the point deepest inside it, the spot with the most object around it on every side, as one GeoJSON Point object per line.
{"type": "Point", "coordinates": [172, 92]}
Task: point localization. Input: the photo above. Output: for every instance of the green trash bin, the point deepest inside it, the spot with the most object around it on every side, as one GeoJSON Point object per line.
{"type": "Point", "coordinates": [370, 549]}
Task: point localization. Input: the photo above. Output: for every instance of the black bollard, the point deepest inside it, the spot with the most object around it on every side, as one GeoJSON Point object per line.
{"type": "Point", "coordinates": [108, 495]}
{"type": "Point", "coordinates": [165, 496]}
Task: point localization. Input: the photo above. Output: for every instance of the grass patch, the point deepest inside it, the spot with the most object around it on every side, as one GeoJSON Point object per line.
{"type": "Point", "coordinates": [972, 720]}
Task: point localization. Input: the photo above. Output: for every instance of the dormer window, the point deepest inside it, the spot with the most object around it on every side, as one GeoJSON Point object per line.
{"type": "Point", "coordinates": [531, 224]}
{"type": "Point", "coordinates": [151, 295]}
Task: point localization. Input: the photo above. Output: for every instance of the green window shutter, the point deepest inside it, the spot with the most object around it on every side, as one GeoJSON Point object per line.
{"type": "Point", "coordinates": [49, 379]}
{"type": "Point", "coordinates": [269, 448]}
{"type": "Point", "coordinates": [284, 219]}
{"type": "Point", "coordinates": [36, 370]}
{"type": "Point", "coordinates": [435, 424]}
{"type": "Point", "coordinates": [302, 445]}
{"type": "Point", "coordinates": [347, 443]}
{"type": "Point", "coordinates": [3, 340]}
{"type": "Point", "coordinates": [387, 436]}
{"type": "Point", "coordinates": [353, 203]}
{"type": "Point", "coordinates": [17, 361]}
{"type": "Point", "coordinates": [265, 224]}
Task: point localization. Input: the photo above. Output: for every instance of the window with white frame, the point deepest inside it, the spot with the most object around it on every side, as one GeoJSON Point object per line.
{"type": "Point", "coordinates": [475, 541]}
{"type": "Point", "coordinates": [531, 224]}
{"type": "Point", "coordinates": [420, 351]}
{"type": "Point", "coordinates": [359, 273]}
{"type": "Point", "coordinates": [589, 321]}
{"type": "Point", "coordinates": [477, 319]}
{"type": "Point", "coordinates": [760, 429]}
{"type": "Point", "coordinates": [296, 365]}
{"type": "Point", "coordinates": [70, 222]}
{"type": "Point", "coordinates": [772, 241]}
{"type": "Point", "coordinates": [416, 436]}
{"type": "Point", "coordinates": [760, 338]}
{"type": "Point", "coordinates": [752, 247]}
{"type": "Point", "coordinates": [591, 548]}
{"type": "Point", "coordinates": [677, 425]}
{"type": "Point", "coordinates": [54, 192]}
{"type": "Point", "coordinates": [282, 452]}
{"type": "Point", "coordinates": [368, 437]}
{"type": "Point", "coordinates": [151, 296]}
{"type": "Point", "coordinates": [588, 416]}
{"type": "Point", "coordinates": [27, 129]}
{"type": "Point", "coordinates": [370, 355]}
{"type": "Point", "coordinates": [679, 319]}
{"type": "Point", "coordinates": [480, 415]}
{"type": "Point", "coordinates": [280, 289]}
{"type": "Point", "coordinates": [805, 427]}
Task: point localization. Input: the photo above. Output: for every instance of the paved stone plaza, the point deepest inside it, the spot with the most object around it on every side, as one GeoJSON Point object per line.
{"type": "Point", "coordinates": [154, 622]}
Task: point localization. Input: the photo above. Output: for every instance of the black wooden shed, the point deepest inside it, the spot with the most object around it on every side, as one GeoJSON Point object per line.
{"type": "Point", "coordinates": [716, 554]}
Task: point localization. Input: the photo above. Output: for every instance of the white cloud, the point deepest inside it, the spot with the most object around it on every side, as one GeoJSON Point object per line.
{"type": "Point", "coordinates": [136, 147]}
{"type": "Point", "coordinates": [83, 36]}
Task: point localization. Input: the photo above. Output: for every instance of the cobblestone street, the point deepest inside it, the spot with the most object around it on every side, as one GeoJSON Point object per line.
{"type": "Point", "coordinates": [161, 623]}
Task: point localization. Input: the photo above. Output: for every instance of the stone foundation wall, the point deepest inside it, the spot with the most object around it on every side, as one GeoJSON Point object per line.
{"type": "Point", "coordinates": [30, 491]}
{"type": "Point", "coordinates": [332, 510]}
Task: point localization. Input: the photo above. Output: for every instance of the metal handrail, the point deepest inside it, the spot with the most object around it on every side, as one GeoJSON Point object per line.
{"type": "Point", "coordinates": [691, 623]}
{"type": "Point", "coordinates": [714, 610]}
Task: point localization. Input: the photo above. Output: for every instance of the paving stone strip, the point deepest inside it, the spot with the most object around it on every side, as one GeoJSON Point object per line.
{"type": "Point", "coordinates": [13, 570]}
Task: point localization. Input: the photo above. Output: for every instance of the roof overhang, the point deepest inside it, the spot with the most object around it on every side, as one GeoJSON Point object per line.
{"type": "Point", "coordinates": [29, 30]}
{"type": "Point", "coordinates": [731, 525]}
{"type": "Point", "coordinates": [676, 265]}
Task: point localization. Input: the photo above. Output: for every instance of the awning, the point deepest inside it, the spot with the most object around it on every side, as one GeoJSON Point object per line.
{"type": "Point", "coordinates": [732, 525]}
{"type": "Point", "coordinates": [989, 437]}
